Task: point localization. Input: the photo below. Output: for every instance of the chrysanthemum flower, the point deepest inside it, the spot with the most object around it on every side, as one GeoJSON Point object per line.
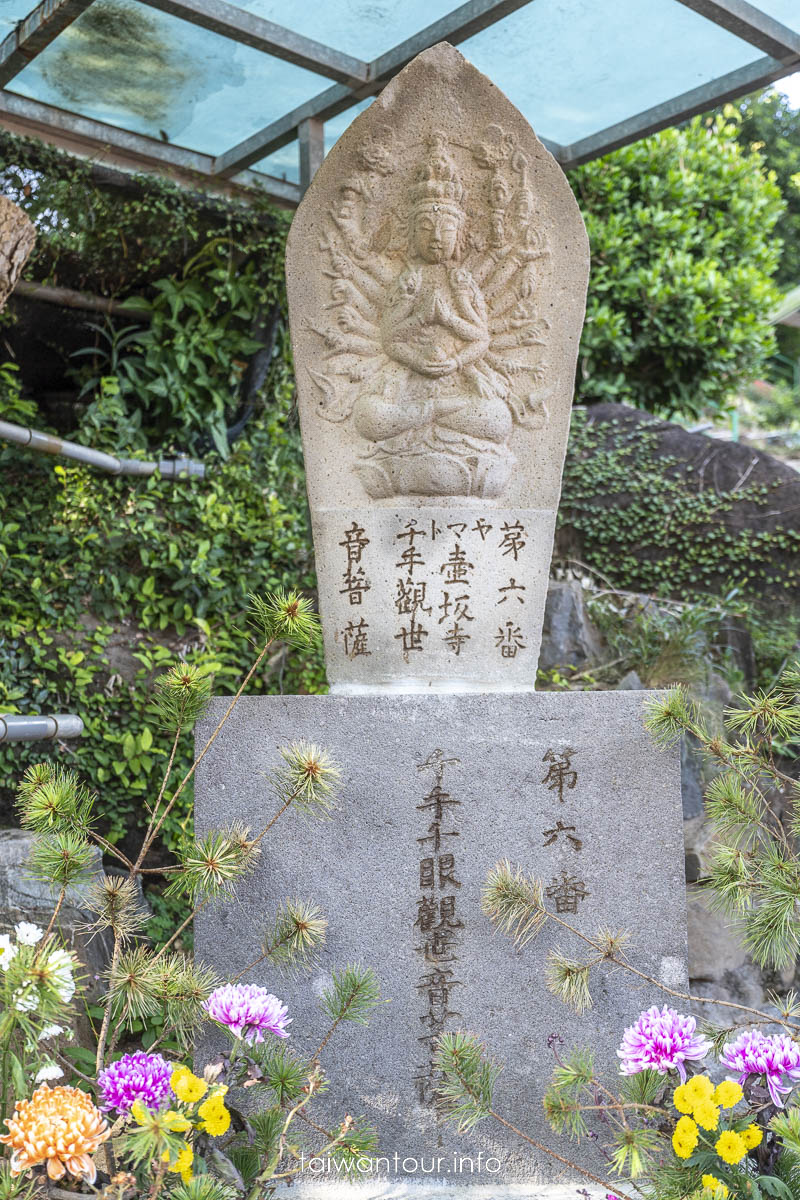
{"type": "Point", "coordinates": [55, 968]}
{"type": "Point", "coordinates": [136, 1076]}
{"type": "Point", "coordinates": [57, 1126]}
{"type": "Point", "coordinates": [752, 1136]}
{"type": "Point", "coordinates": [215, 1116]}
{"type": "Point", "coordinates": [49, 1071]}
{"type": "Point", "coordinates": [699, 1090]}
{"type": "Point", "coordinates": [7, 950]}
{"type": "Point", "coordinates": [661, 1040]}
{"type": "Point", "coordinates": [728, 1093]}
{"type": "Point", "coordinates": [183, 1163]}
{"type": "Point", "coordinates": [685, 1137]}
{"type": "Point", "coordinates": [187, 1086]}
{"type": "Point", "coordinates": [682, 1100]}
{"type": "Point", "coordinates": [248, 1011]}
{"type": "Point", "coordinates": [715, 1186]}
{"type": "Point", "coordinates": [706, 1115]}
{"type": "Point", "coordinates": [28, 934]}
{"type": "Point", "coordinates": [730, 1147]}
{"type": "Point", "coordinates": [775, 1056]}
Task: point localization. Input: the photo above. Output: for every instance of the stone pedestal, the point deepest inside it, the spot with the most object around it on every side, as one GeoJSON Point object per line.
{"type": "Point", "coordinates": [435, 791]}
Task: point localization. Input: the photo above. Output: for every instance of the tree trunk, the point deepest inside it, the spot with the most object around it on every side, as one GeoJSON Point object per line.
{"type": "Point", "coordinates": [17, 236]}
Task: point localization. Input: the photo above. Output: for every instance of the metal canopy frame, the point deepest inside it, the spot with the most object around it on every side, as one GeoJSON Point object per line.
{"type": "Point", "coordinates": [354, 81]}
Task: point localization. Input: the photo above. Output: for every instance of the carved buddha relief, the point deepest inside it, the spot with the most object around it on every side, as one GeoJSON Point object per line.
{"type": "Point", "coordinates": [433, 345]}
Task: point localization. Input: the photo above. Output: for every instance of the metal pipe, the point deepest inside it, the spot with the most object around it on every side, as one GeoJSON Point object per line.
{"type": "Point", "coordinates": [47, 443]}
{"type": "Point", "coordinates": [69, 298]}
{"type": "Point", "coordinates": [14, 728]}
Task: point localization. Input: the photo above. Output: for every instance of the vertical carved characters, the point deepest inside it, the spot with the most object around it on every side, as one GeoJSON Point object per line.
{"type": "Point", "coordinates": [433, 344]}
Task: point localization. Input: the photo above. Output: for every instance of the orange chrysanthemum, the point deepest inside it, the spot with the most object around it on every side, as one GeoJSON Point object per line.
{"type": "Point", "coordinates": [58, 1126]}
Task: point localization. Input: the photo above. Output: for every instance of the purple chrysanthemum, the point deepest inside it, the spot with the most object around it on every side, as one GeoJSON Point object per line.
{"type": "Point", "coordinates": [661, 1040]}
{"type": "Point", "coordinates": [777, 1057]}
{"type": "Point", "coordinates": [133, 1077]}
{"type": "Point", "coordinates": [248, 1011]}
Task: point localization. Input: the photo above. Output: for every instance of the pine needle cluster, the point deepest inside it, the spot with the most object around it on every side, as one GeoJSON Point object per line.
{"type": "Point", "coordinates": [465, 1093]}
{"type": "Point", "coordinates": [284, 616]}
{"type": "Point", "coordinates": [211, 866]}
{"type": "Point", "coordinates": [352, 996]}
{"type": "Point", "coordinates": [514, 902]}
{"type": "Point", "coordinates": [296, 937]}
{"type": "Point", "coordinates": [181, 696]}
{"type": "Point", "coordinates": [753, 876]}
{"type": "Point", "coordinates": [307, 778]}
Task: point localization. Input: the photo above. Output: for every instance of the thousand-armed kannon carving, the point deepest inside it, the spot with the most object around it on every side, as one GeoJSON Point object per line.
{"type": "Point", "coordinates": [434, 346]}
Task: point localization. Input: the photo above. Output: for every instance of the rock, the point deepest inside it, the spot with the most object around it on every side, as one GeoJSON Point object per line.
{"type": "Point", "coordinates": [24, 898]}
{"type": "Point", "coordinates": [703, 464]}
{"type": "Point", "coordinates": [568, 636]}
{"type": "Point", "coordinates": [691, 778]}
{"type": "Point", "coordinates": [630, 682]}
{"type": "Point", "coordinates": [712, 697]}
{"type": "Point", "coordinates": [715, 945]}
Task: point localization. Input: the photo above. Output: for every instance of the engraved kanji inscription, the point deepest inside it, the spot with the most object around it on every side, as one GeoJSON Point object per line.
{"type": "Point", "coordinates": [567, 891]}
{"type": "Point", "coordinates": [560, 773]}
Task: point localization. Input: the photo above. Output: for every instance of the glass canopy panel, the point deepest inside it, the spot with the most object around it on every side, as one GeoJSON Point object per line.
{"type": "Point", "coordinates": [12, 11]}
{"type": "Point", "coordinates": [785, 11]}
{"type": "Point", "coordinates": [137, 68]}
{"type": "Point", "coordinates": [285, 164]}
{"type": "Point", "coordinates": [574, 67]}
{"type": "Point", "coordinates": [363, 28]}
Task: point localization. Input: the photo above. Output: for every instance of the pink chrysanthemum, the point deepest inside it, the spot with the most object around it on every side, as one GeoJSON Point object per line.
{"type": "Point", "coordinates": [136, 1076]}
{"type": "Point", "coordinates": [777, 1057]}
{"type": "Point", "coordinates": [248, 1011]}
{"type": "Point", "coordinates": [661, 1040]}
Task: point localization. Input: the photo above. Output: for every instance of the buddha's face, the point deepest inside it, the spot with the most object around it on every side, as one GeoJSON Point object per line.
{"type": "Point", "coordinates": [435, 234]}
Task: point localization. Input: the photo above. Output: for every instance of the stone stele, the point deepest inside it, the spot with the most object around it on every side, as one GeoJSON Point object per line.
{"type": "Point", "coordinates": [435, 791]}
{"type": "Point", "coordinates": [436, 272]}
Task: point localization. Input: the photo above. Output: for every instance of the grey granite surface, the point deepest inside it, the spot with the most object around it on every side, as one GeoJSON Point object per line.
{"type": "Point", "coordinates": [511, 767]}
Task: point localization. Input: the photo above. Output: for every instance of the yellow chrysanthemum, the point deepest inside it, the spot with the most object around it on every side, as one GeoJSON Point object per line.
{"type": "Point", "coordinates": [215, 1116]}
{"type": "Point", "coordinates": [706, 1114]}
{"type": "Point", "coordinates": [60, 1127]}
{"type": "Point", "coordinates": [699, 1088]}
{"type": "Point", "coordinates": [752, 1136]}
{"type": "Point", "coordinates": [681, 1100]}
{"type": "Point", "coordinates": [187, 1086]}
{"type": "Point", "coordinates": [684, 1139]}
{"type": "Point", "coordinates": [183, 1163]}
{"type": "Point", "coordinates": [686, 1128]}
{"type": "Point", "coordinates": [176, 1121]}
{"type": "Point", "coordinates": [715, 1186]}
{"type": "Point", "coordinates": [728, 1093]}
{"type": "Point", "coordinates": [730, 1146]}
{"type": "Point", "coordinates": [683, 1147]}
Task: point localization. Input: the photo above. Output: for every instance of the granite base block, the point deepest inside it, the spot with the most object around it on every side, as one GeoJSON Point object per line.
{"type": "Point", "coordinates": [435, 791]}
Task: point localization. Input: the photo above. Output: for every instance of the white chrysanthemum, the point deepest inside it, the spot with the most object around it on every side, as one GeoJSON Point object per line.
{"type": "Point", "coordinates": [7, 950]}
{"type": "Point", "coordinates": [50, 1031]}
{"type": "Point", "coordinates": [28, 934]}
{"type": "Point", "coordinates": [49, 1071]}
{"type": "Point", "coordinates": [60, 965]}
{"type": "Point", "coordinates": [26, 1001]}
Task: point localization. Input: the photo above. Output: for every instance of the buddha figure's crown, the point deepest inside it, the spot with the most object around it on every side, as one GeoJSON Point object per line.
{"type": "Point", "coordinates": [438, 181]}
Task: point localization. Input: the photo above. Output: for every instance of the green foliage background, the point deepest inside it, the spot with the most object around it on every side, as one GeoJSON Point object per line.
{"type": "Point", "coordinates": [768, 129]}
{"type": "Point", "coordinates": [681, 232]}
{"type": "Point", "coordinates": [99, 572]}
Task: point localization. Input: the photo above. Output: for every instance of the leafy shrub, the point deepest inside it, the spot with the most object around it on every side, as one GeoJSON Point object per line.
{"type": "Point", "coordinates": [680, 231]}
